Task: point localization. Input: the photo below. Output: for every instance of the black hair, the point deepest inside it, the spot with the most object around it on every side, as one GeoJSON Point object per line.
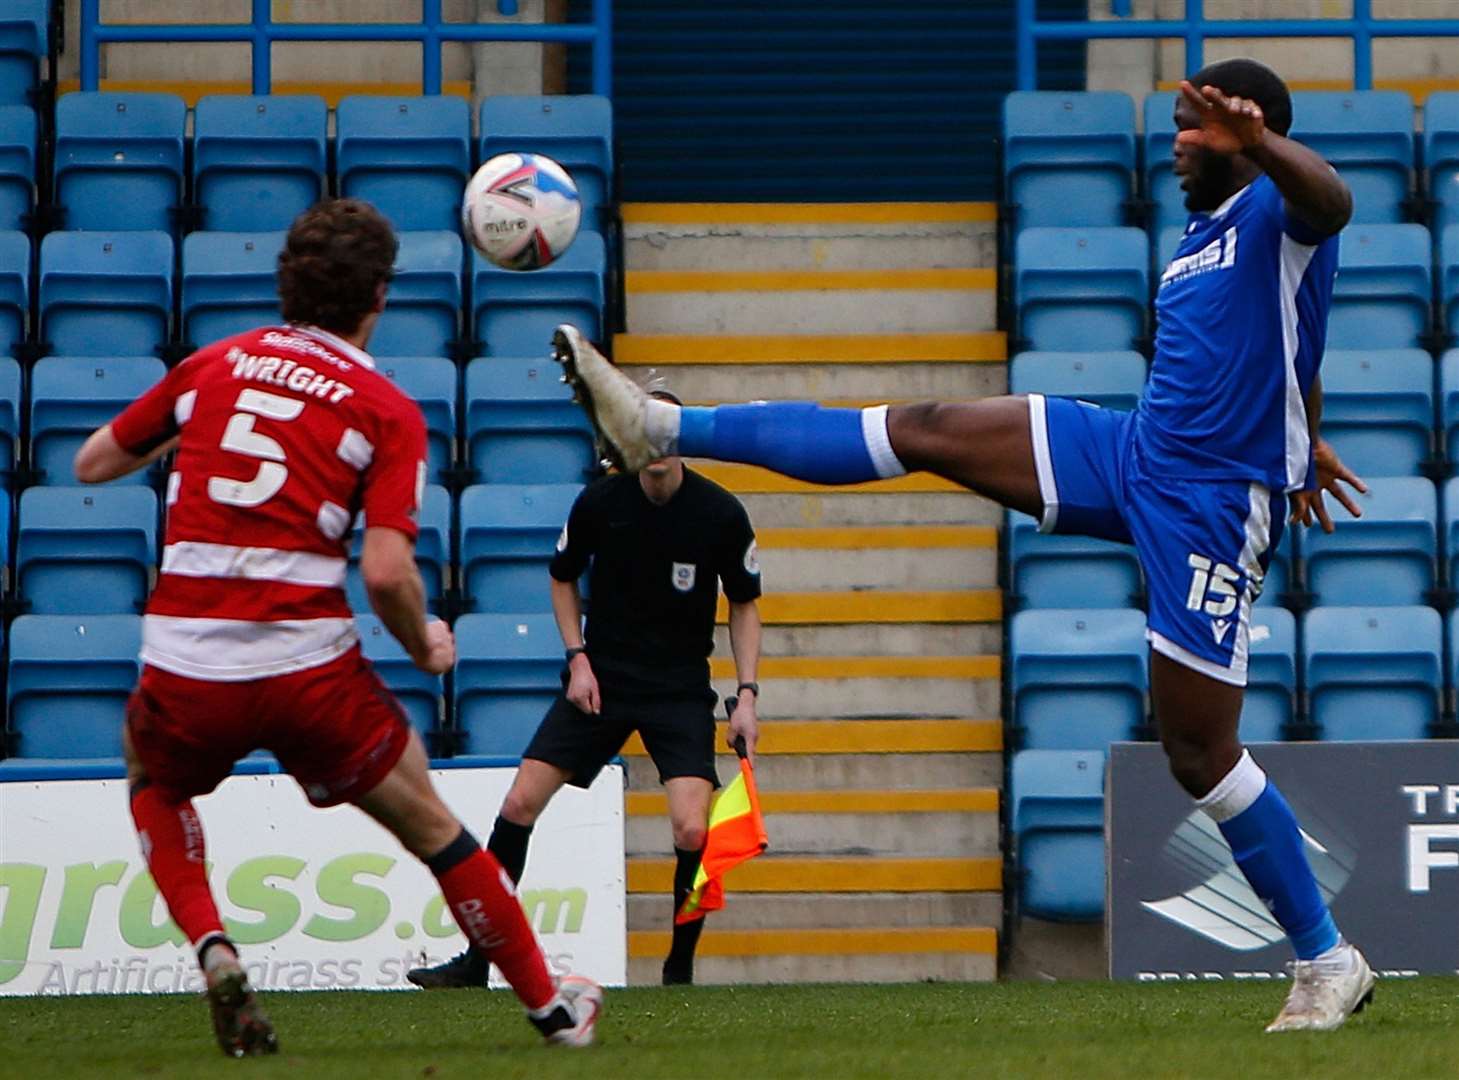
{"type": "Point", "coordinates": [1253, 80]}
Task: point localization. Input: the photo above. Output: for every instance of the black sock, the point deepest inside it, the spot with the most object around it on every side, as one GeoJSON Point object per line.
{"type": "Point", "coordinates": [509, 844]}
{"type": "Point", "coordinates": [679, 967]}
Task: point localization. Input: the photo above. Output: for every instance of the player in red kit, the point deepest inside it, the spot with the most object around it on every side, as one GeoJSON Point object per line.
{"type": "Point", "coordinates": [283, 435]}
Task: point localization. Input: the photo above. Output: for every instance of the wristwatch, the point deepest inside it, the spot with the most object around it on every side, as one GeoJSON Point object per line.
{"type": "Point", "coordinates": [752, 687]}
{"type": "Point", "coordinates": [575, 651]}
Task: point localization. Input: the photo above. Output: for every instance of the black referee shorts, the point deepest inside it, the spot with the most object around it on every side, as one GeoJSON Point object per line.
{"type": "Point", "coordinates": [678, 732]}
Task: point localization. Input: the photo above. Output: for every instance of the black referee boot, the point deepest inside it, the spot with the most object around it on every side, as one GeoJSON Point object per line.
{"type": "Point", "coordinates": [467, 969]}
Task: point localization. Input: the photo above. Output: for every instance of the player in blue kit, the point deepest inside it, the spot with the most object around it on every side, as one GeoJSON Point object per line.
{"type": "Point", "coordinates": [1201, 477]}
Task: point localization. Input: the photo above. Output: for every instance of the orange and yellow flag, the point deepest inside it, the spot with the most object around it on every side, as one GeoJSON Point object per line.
{"type": "Point", "coordinates": [736, 833]}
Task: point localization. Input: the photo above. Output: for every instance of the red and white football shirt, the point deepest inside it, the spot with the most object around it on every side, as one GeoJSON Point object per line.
{"type": "Point", "coordinates": [287, 432]}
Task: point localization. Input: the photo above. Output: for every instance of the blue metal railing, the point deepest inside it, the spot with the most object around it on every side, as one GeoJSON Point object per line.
{"type": "Point", "coordinates": [261, 32]}
{"type": "Point", "coordinates": [1195, 28]}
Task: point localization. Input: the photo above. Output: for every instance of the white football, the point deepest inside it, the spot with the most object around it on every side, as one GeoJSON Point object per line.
{"type": "Point", "coordinates": [521, 211]}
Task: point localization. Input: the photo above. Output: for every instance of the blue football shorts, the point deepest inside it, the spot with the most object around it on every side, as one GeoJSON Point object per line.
{"type": "Point", "coordinates": [1204, 545]}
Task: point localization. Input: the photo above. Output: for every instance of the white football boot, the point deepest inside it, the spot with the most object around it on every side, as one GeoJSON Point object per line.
{"type": "Point", "coordinates": [1326, 991]}
{"type": "Point", "coordinates": [616, 405]}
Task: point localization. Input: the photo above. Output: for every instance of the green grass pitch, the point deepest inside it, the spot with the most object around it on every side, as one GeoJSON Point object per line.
{"type": "Point", "coordinates": [1083, 1030]}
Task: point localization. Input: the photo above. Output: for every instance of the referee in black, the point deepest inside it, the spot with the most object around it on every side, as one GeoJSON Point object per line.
{"type": "Point", "coordinates": [657, 545]}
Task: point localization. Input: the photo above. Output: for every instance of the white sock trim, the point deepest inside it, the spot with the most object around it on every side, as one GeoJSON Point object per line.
{"type": "Point", "coordinates": [879, 444]}
{"type": "Point", "coordinates": [1043, 462]}
{"type": "Point", "coordinates": [661, 425]}
{"type": "Point", "coordinates": [1237, 790]}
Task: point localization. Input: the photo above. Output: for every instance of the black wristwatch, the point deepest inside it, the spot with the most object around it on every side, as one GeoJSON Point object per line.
{"type": "Point", "coordinates": [752, 687]}
{"type": "Point", "coordinates": [576, 650]}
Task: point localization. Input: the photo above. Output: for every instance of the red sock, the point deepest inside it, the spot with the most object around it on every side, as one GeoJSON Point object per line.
{"type": "Point", "coordinates": [172, 844]}
{"type": "Point", "coordinates": [479, 895]}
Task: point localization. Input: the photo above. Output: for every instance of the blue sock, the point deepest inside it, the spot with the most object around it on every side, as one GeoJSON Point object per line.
{"type": "Point", "coordinates": [1268, 848]}
{"type": "Point", "coordinates": [797, 438]}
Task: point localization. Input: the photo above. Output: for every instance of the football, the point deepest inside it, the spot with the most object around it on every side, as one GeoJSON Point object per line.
{"type": "Point", "coordinates": [521, 211]}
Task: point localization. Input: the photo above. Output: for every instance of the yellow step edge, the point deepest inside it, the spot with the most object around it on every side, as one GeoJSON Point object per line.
{"type": "Point", "coordinates": [960, 801]}
{"type": "Point", "coordinates": [815, 874]}
{"type": "Point", "coordinates": [709, 281]}
{"type": "Point", "coordinates": [865, 667]}
{"type": "Point", "coordinates": [876, 606]}
{"type": "Point", "coordinates": [877, 213]}
{"type": "Point", "coordinates": [676, 349]}
{"type": "Point", "coordinates": [753, 480]}
{"type": "Point", "coordinates": [939, 736]}
{"type": "Point", "coordinates": [856, 538]}
{"type": "Point", "coordinates": [861, 941]}
{"type": "Point", "coordinates": [331, 92]}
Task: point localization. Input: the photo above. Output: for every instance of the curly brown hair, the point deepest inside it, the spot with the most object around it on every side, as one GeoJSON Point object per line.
{"type": "Point", "coordinates": [337, 255]}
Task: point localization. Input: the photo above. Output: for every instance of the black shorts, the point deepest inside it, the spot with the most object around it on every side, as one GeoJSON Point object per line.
{"type": "Point", "coordinates": [678, 732]}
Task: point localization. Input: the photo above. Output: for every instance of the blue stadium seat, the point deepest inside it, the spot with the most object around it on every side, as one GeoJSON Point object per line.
{"type": "Point", "coordinates": [1383, 298]}
{"type": "Point", "coordinates": [516, 311]}
{"type": "Point", "coordinates": [508, 671]}
{"type": "Point", "coordinates": [86, 550]}
{"type": "Point", "coordinates": [1449, 400]}
{"type": "Point", "coordinates": [423, 307]}
{"type": "Point", "coordinates": [431, 381]}
{"type": "Point", "coordinates": [522, 426]}
{"type": "Point", "coordinates": [1373, 673]}
{"type": "Point", "coordinates": [1079, 677]}
{"type": "Point", "coordinates": [1271, 675]}
{"type": "Point", "coordinates": [432, 551]}
{"type": "Point", "coordinates": [1113, 380]}
{"type": "Point", "coordinates": [1378, 409]}
{"type": "Point", "coordinates": [1167, 240]}
{"type": "Point", "coordinates": [1441, 156]}
{"type": "Point", "coordinates": [1162, 186]}
{"type": "Point", "coordinates": [1449, 280]}
{"type": "Point", "coordinates": [106, 293]}
{"type": "Point", "coordinates": [1049, 570]}
{"type": "Point", "coordinates": [575, 130]}
{"type": "Point", "coordinates": [17, 164]}
{"type": "Point", "coordinates": [419, 694]}
{"type": "Point", "coordinates": [24, 40]}
{"type": "Point", "coordinates": [14, 289]}
{"type": "Point", "coordinates": [1368, 136]}
{"type": "Point", "coordinates": [1058, 822]}
{"type": "Point", "coordinates": [72, 396]}
{"type": "Point", "coordinates": [1068, 158]}
{"type": "Point", "coordinates": [508, 536]}
{"type": "Point", "coordinates": [229, 284]}
{"type": "Point", "coordinates": [9, 421]}
{"type": "Point", "coordinates": [258, 161]}
{"type": "Point", "coordinates": [1388, 557]}
{"type": "Point", "coordinates": [69, 679]}
{"type": "Point", "coordinates": [1451, 529]}
{"type": "Point", "coordinates": [408, 156]}
{"type": "Point", "coordinates": [1082, 290]}
{"type": "Point", "coordinates": [119, 160]}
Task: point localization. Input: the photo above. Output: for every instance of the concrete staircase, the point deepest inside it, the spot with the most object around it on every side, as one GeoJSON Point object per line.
{"type": "Point", "coordinates": [880, 757]}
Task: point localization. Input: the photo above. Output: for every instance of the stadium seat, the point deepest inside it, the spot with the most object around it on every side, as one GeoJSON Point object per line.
{"type": "Point", "coordinates": [1113, 380]}
{"type": "Point", "coordinates": [119, 160]}
{"type": "Point", "coordinates": [1373, 673]}
{"type": "Point", "coordinates": [1167, 241]}
{"type": "Point", "coordinates": [432, 551]}
{"type": "Point", "coordinates": [522, 426]}
{"type": "Point", "coordinates": [86, 550]}
{"type": "Point", "coordinates": [508, 671]}
{"type": "Point", "coordinates": [1451, 530]}
{"type": "Point", "coordinates": [1387, 557]}
{"type": "Point", "coordinates": [229, 284]}
{"type": "Point", "coordinates": [1441, 156]}
{"type": "Point", "coordinates": [1378, 409]}
{"type": "Point", "coordinates": [423, 307]}
{"type": "Point", "coordinates": [1162, 186]}
{"type": "Point", "coordinates": [72, 396]}
{"type": "Point", "coordinates": [1449, 280]}
{"type": "Point", "coordinates": [1079, 677]}
{"type": "Point", "coordinates": [1058, 823]}
{"type": "Point", "coordinates": [1271, 675]}
{"type": "Point", "coordinates": [105, 293]}
{"type": "Point", "coordinates": [1082, 290]}
{"type": "Point", "coordinates": [516, 312]}
{"type": "Point", "coordinates": [69, 679]}
{"type": "Point", "coordinates": [10, 398]}
{"type": "Point", "coordinates": [1049, 570]}
{"type": "Point", "coordinates": [431, 381]}
{"type": "Point", "coordinates": [1449, 400]}
{"type": "Point", "coordinates": [408, 156]}
{"type": "Point", "coordinates": [24, 39]}
{"type": "Point", "coordinates": [257, 161]}
{"type": "Point", "coordinates": [508, 533]}
{"type": "Point", "coordinates": [14, 289]}
{"type": "Point", "coordinates": [1068, 158]}
{"type": "Point", "coordinates": [1383, 297]}
{"type": "Point", "coordinates": [419, 694]}
{"type": "Point", "coordinates": [575, 130]}
{"type": "Point", "coordinates": [1368, 136]}
{"type": "Point", "coordinates": [17, 165]}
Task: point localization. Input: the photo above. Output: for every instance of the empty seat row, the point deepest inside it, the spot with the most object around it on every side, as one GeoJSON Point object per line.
{"type": "Point", "coordinates": [18, 143]}
{"type": "Point", "coordinates": [24, 42]}
{"type": "Point", "coordinates": [257, 161]}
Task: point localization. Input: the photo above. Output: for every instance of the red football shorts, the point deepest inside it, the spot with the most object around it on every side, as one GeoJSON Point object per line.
{"type": "Point", "coordinates": [335, 728]}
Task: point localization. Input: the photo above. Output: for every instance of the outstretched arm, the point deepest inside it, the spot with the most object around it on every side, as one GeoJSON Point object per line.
{"type": "Point", "coordinates": [1329, 469]}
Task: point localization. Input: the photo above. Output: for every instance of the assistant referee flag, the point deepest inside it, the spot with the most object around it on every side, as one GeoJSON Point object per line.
{"type": "Point", "coordinates": [736, 833]}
